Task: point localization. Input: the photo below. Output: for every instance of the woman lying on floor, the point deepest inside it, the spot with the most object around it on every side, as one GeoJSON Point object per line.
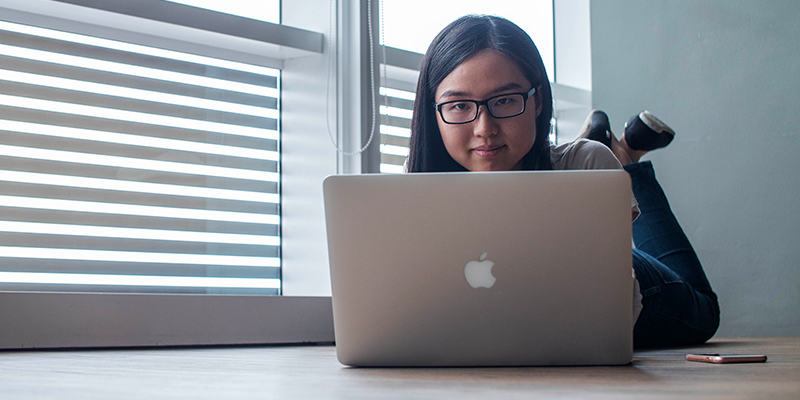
{"type": "Point", "coordinates": [484, 103]}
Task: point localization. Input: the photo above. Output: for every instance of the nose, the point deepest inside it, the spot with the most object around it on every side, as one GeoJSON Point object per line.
{"type": "Point", "coordinates": [485, 125]}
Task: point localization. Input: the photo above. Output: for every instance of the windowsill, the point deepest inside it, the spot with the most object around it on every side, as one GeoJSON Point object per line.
{"type": "Point", "coordinates": [84, 320]}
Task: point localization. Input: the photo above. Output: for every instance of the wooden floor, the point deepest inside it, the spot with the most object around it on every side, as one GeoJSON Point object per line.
{"type": "Point", "coordinates": [313, 372]}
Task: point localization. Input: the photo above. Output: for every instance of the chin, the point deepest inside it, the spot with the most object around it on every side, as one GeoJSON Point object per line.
{"type": "Point", "coordinates": [488, 165]}
{"type": "Point", "coordinates": [495, 164]}
{"type": "Point", "coordinates": [489, 168]}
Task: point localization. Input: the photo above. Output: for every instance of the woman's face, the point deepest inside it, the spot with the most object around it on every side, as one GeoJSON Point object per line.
{"type": "Point", "coordinates": [488, 143]}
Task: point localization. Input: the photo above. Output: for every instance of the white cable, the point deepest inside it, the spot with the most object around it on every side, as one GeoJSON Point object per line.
{"type": "Point", "coordinates": [385, 75]}
{"type": "Point", "coordinates": [332, 59]}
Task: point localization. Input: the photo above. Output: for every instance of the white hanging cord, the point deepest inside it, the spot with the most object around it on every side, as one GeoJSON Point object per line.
{"type": "Point", "coordinates": [332, 59]}
{"type": "Point", "coordinates": [385, 75]}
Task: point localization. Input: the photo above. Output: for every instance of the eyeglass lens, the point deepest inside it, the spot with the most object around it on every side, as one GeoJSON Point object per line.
{"type": "Point", "coordinates": [467, 110]}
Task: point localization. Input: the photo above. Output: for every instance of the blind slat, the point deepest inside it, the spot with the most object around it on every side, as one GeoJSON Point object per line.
{"type": "Point", "coordinates": [111, 189]}
{"type": "Point", "coordinates": [127, 245]}
{"type": "Point", "coordinates": [27, 209]}
{"type": "Point", "coordinates": [135, 163]}
{"type": "Point", "coordinates": [112, 143]}
{"type": "Point", "coordinates": [56, 122]}
{"type": "Point", "coordinates": [98, 267]}
{"type": "Point", "coordinates": [136, 257]}
{"type": "Point", "coordinates": [267, 132]}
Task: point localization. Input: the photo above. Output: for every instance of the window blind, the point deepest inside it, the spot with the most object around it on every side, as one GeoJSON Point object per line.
{"type": "Point", "coordinates": [128, 168]}
{"type": "Point", "coordinates": [396, 108]}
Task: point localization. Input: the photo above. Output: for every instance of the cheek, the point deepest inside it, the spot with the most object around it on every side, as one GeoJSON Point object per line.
{"type": "Point", "coordinates": [452, 138]}
{"type": "Point", "coordinates": [523, 132]}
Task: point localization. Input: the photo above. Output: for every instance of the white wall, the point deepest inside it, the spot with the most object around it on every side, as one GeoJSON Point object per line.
{"type": "Point", "coordinates": [724, 74]}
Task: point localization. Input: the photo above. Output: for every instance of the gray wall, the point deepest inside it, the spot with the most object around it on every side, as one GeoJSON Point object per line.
{"type": "Point", "coordinates": [725, 74]}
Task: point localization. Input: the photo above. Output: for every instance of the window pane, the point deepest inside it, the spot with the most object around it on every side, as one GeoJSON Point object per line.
{"type": "Point", "coordinates": [408, 28]}
{"type": "Point", "coordinates": [262, 10]}
{"type": "Point", "coordinates": [135, 169]}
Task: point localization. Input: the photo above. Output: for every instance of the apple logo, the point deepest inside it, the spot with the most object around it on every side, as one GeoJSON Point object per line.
{"type": "Point", "coordinates": [479, 273]}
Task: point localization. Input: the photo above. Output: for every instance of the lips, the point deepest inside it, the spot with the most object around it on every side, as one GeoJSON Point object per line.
{"type": "Point", "coordinates": [488, 150]}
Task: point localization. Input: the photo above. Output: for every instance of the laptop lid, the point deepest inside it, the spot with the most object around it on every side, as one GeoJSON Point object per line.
{"type": "Point", "coordinates": [481, 269]}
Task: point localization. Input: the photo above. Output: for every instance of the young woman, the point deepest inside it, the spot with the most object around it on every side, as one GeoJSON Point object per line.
{"type": "Point", "coordinates": [484, 103]}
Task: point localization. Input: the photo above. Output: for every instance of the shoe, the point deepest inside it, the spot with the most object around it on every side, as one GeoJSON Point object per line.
{"type": "Point", "coordinates": [646, 132]}
{"type": "Point", "coordinates": [597, 128]}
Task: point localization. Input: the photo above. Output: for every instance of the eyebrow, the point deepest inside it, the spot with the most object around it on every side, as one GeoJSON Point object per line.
{"type": "Point", "coordinates": [456, 93]}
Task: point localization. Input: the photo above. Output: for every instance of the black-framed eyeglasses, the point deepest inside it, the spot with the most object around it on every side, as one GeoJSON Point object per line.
{"type": "Point", "coordinates": [502, 106]}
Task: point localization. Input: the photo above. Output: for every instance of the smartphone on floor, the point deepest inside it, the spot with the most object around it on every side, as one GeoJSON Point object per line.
{"type": "Point", "coordinates": [726, 358]}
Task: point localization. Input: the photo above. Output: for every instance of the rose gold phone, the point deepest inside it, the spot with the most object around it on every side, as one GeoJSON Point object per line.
{"type": "Point", "coordinates": [726, 358]}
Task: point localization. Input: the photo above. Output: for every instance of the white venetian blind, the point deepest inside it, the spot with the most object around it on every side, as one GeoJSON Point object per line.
{"type": "Point", "coordinates": [396, 108]}
{"type": "Point", "coordinates": [134, 169]}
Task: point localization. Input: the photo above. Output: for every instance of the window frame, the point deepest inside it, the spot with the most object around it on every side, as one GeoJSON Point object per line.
{"type": "Point", "coordinates": [304, 313]}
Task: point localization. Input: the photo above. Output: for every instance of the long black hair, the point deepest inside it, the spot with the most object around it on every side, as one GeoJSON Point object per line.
{"type": "Point", "coordinates": [456, 43]}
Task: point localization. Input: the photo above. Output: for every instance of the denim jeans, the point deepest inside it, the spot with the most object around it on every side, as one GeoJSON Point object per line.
{"type": "Point", "coordinates": [679, 307]}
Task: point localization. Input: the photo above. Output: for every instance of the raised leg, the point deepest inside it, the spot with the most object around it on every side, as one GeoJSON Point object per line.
{"type": "Point", "coordinates": [680, 307]}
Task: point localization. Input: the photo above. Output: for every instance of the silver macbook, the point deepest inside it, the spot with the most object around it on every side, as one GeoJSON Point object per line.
{"type": "Point", "coordinates": [481, 269]}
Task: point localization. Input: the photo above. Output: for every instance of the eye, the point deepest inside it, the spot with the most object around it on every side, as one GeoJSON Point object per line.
{"type": "Point", "coordinates": [459, 106]}
{"type": "Point", "coordinates": [505, 101]}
